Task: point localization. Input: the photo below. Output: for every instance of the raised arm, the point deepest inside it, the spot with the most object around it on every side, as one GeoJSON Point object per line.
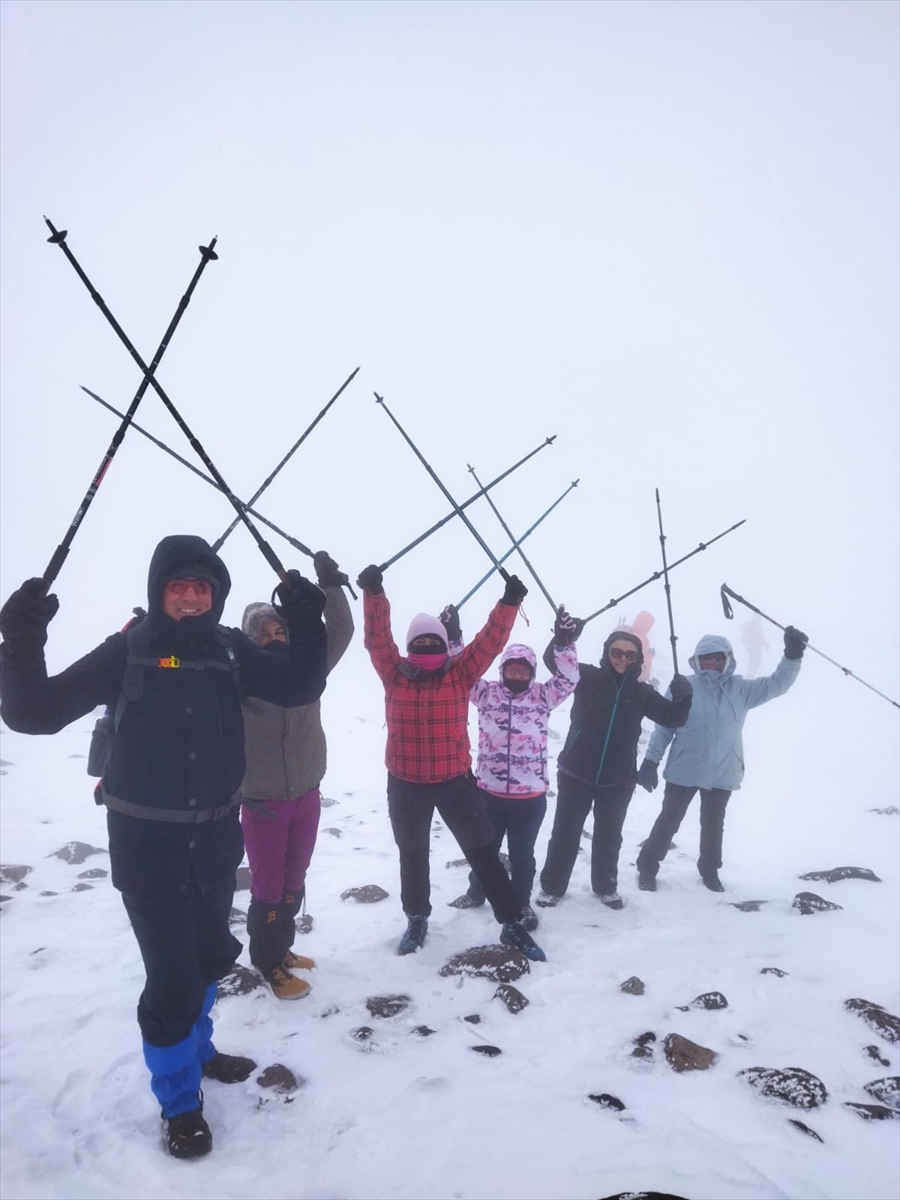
{"type": "Point", "coordinates": [487, 644]}
{"type": "Point", "coordinates": [377, 636]}
{"type": "Point", "coordinates": [760, 691]}
{"type": "Point", "coordinates": [337, 615]}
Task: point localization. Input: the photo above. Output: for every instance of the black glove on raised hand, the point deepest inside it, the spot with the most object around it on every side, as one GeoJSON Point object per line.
{"type": "Point", "coordinates": [566, 628]}
{"type": "Point", "coordinates": [794, 642]}
{"type": "Point", "coordinates": [299, 603]}
{"type": "Point", "coordinates": [25, 616]}
{"type": "Point", "coordinates": [370, 580]}
{"type": "Point", "coordinates": [680, 688]}
{"type": "Point", "coordinates": [648, 775]}
{"type": "Point", "coordinates": [515, 592]}
{"type": "Point", "coordinates": [450, 620]}
{"type": "Point", "coordinates": [328, 572]}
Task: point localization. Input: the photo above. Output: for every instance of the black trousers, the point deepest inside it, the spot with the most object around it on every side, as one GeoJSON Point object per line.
{"type": "Point", "coordinates": [186, 945]}
{"type": "Point", "coordinates": [462, 809]}
{"type": "Point", "coordinates": [574, 801]}
{"type": "Point", "coordinates": [676, 799]}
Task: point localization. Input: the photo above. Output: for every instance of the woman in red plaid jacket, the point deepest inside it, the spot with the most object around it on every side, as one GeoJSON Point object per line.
{"type": "Point", "coordinates": [428, 755]}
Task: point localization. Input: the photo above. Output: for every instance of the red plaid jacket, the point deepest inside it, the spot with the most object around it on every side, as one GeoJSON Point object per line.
{"type": "Point", "coordinates": [427, 720]}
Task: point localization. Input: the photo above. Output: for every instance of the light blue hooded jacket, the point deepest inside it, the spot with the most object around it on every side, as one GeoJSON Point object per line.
{"type": "Point", "coordinates": [708, 752]}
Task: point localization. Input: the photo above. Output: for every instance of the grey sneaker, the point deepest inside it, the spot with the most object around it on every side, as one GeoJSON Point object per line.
{"type": "Point", "coordinates": [613, 900]}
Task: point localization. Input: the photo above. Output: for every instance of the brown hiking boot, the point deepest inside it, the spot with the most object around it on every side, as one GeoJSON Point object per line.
{"type": "Point", "coordinates": [187, 1135]}
{"type": "Point", "coordinates": [297, 962]}
{"type": "Point", "coordinates": [286, 986]}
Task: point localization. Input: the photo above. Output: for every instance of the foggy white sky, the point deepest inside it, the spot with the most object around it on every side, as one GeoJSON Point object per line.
{"type": "Point", "coordinates": [667, 233]}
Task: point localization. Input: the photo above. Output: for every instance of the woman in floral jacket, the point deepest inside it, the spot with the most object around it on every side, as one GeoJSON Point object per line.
{"type": "Point", "coordinates": [513, 717]}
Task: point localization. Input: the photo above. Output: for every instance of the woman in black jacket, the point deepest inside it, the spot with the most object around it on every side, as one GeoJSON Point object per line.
{"type": "Point", "coordinates": [598, 764]}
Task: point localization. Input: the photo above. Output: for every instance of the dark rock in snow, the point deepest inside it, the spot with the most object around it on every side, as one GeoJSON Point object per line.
{"type": "Point", "coordinates": [789, 1085]}
{"type": "Point", "coordinates": [886, 1090]}
{"type": "Point", "coordinates": [883, 1023]}
{"type": "Point", "coordinates": [809, 903]}
{"type": "Point", "coordinates": [83, 887]}
{"type": "Point", "coordinates": [3, 899]}
{"type": "Point", "coordinates": [327, 801]}
{"type": "Point", "coordinates": [890, 811]}
{"type": "Point", "coordinates": [334, 832]}
{"type": "Point", "coordinates": [13, 873]}
{"type": "Point", "coordinates": [4, 763]}
{"type": "Point", "coordinates": [76, 852]}
{"type": "Point", "coordinates": [239, 982]}
{"type": "Point", "coordinates": [644, 1196]}
{"type": "Point", "coordinates": [748, 905]}
{"type": "Point", "coordinates": [773, 971]}
{"type": "Point", "coordinates": [633, 986]}
{"type": "Point", "coordinates": [873, 1112]}
{"type": "Point", "coordinates": [365, 1033]}
{"type": "Point", "coordinates": [643, 1045]}
{"type": "Point", "coordinates": [870, 1052]}
{"type": "Point", "coordinates": [605, 1100]}
{"type": "Point", "coordinates": [684, 1055]}
{"type": "Point", "coordinates": [387, 1006]}
{"type": "Point", "coordinates": [304, 924]}
{"type": "Point", "coordinates": [836, 874]}
{"type": "Point", "coordinates": [511, 997]}
{"type": "Point", "coordinates": [92, 873]}
{"type": "Point", "coordinates": [803, 1128]}
{"type": "Point", "coordinates": [242, 879]}
{"type": "Point", "coordinates": [370, 893]}
{"type": "Point", "coordinates": [57, 893]}
{"type": "Point", "coordinates": [488, 962]}
{"type": "Point", "coordinates": [279, 1078]}
{"type": "Point", "coordinates": [473, 1019]}
{"type": "Point", "coordinates": [236, 917]}
{"type": "Point", "coordinates": [423, 1030]}
{"type": "Point", "coordinates": [487, 1051]}
{"type": "Point", "coordinates": [711, 1000]}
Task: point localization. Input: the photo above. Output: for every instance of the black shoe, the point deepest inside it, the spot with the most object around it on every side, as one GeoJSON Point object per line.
{"type": "Point", "coordinates": [613, 900]}
{"type": "Point", "coordinates": [188, 1135]}
{"type": "Point", "coordinates": [528, 919]}
{"type": "Point", "coordinates": [646, 882]}
{"type": "Point", "coordinates": [414, 938]}
{"type": "Point", "coordinates": [513, 934]}
{"type": "Point", "coordinates": [228, 1068]}
{"type": "Point", "coordinates": [713, 882]}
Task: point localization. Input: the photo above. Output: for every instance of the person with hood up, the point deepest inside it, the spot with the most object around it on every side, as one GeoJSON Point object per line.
{"type": "Point", "coordinates": [171, 786]}
{"type": "Point", "coordinates": [281, 804]}
{"type": "Point", "coordinates": [707, 751]}
{"type": "Point", "coordinates": [428, 756]}
{"type": "Point", "coordinates": [597, 767]}
{"type": "Point", "coordinates": [513, 718]}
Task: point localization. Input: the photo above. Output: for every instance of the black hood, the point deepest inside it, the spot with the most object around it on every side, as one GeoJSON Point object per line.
{"type": "Point", "coordinates": [173, 553]}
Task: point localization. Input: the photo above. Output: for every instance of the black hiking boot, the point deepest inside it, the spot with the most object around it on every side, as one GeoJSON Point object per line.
{"type": "Point", "coordinates": [228, 1068]}
{"type": "Point", "coordinates": [712, 881]}
{"type": "Point", "coordinates": [187, 1135]}
{"type": "Point", "coordinates": [646, 881]}
{"type": "Point", "coordinates": [414, 938]}
{"type": "Point", "coordinates": [514, 934]}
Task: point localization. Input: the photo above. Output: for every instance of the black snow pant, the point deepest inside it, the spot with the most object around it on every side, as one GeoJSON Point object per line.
{"type": "Point", "coordinates": [186, 945]}
{"type": "Point", "coordinates": [676, 799]}
{"type": "Point", "coordinates": [573, 803]}
{"type": "Point", "coordinates": [271, 930]}
{"type": "Point", "coordinates": [462, 808]}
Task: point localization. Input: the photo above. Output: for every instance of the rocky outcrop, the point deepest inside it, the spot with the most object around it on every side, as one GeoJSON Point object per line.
{"type": "Point", "coordinates": [809, 903]}
{"type": "Point", "coordinates": [684, 1055]}
{"type": "Point", "coordinates": [511, 997]}
{"type": "Point", "coordinates": [488, 962]}
{"type": "Point", "coordinates": [886, 1090]}
{"type": "Point", "coordinates": [370, 893]}
{"type": "Point", "coordinates": [880, 1021]}
{"type": "Point", "coordinates": [836, 874]}
{"type": "Point", "coordinates": [633, 986]}
{"type": "Point", "coordinates": [387, 1006]}
{"type": "Point", "coordinates": [76, 852]}
{"type": "Point", "coordinates": [788, 1085]}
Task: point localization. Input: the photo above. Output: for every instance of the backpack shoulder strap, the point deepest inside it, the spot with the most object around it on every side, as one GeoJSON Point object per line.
{"type": "Point", "coordinates": [227, 643]}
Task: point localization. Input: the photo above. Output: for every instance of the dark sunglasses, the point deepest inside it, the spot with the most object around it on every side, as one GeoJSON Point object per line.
{"type": "Point", "coordinates": [628, 655]}
{"type": "Point", "coordinates": [717, 657]}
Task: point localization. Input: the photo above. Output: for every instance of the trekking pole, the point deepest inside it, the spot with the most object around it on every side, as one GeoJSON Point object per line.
{"type": "Point", "coordinates": [465, 504]}
{"type": "Point", "coordinates": [207, 254]}
{"type": "Point", "coordinates": [217, 544]}
{"type": "Point", "coordinates": [298, 545]}
{"type": "Point", "coordinates": [459, 512]}
{"type": "Point", "coordinates": [656, 574]}
{"type": "Point", "coordinates": [665, 571]}
{"type": "Point", "coordinates": [267, 552]}
{"type": "Point", "coordinates": [726, 591]}
{"type": "Point", "coordinates": [516, 545]}
{"type": "Point", "coordinates": [528, 532]}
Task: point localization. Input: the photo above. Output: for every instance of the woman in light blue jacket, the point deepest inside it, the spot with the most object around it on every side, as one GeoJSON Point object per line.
{"type": "Point", "coordinates": [708, 752]}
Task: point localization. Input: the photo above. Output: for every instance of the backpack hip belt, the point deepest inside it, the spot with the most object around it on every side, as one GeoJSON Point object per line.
{"type": "Point", "coordinates": [178, 816]}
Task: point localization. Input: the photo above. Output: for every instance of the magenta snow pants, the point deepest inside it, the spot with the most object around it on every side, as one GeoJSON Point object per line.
{"type": "Point", "coordinates": [280, 836]}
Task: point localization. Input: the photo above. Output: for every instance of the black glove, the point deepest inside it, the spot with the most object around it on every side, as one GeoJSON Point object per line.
{"type": "Point", "coordinates": [25, 616]}
{"type": "Point", "coordinates": [515, 592]}
{"type": "Point", "coordinates": [299, 603]}
{"type": "Point", "coordinates": [566, 628]}
{"type": "Point", "coordinates": [648, 775]}
{"type": "Point", "coordinates": [450, 621]}
{"type": "Point", "coordinates": [794, 642]}
{"type": "Point", "coordinates": [680, 688]}
{"type": "Point", "coordinates": [328, 572]}
{"type": "Point", "coordinates": [370, 580]}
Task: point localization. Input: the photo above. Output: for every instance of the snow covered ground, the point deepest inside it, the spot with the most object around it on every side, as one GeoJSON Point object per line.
{"type": "Point", "coordinates": [405, 1115]}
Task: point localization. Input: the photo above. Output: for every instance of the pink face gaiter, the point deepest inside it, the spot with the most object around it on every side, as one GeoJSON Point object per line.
{"type": "Point", "coordinates": [427, 662]}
